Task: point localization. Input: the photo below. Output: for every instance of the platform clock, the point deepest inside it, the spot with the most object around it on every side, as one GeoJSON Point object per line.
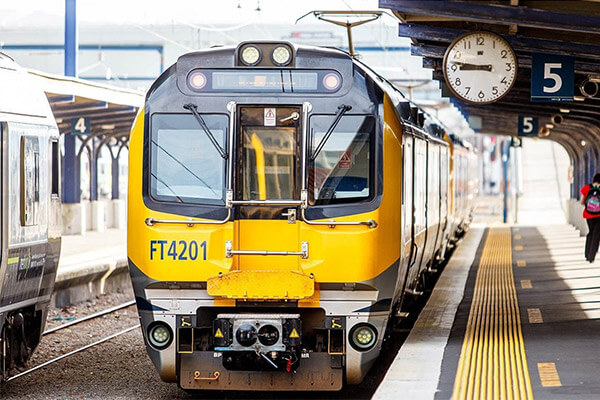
{"type": "Point", "coordinates": [480, 67]}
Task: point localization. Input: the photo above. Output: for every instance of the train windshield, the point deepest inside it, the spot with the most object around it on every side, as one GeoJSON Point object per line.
{"type": "Point", "coordinates": [341, 172]}
{"type": "Point", "coordinates": [185, 166]}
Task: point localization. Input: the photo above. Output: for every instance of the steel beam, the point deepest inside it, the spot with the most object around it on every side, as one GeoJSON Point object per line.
{"type": "Point", "coordinates": [498, 14]}
{"type": "Point", "coordinates": [519, 43]}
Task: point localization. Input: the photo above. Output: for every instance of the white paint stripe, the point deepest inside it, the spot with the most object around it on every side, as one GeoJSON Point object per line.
{"type": "Point", "coordinates": [416, 370]}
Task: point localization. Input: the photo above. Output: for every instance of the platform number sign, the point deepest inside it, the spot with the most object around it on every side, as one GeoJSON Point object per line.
{"type": "Point", "coordinates": [80, 126]}
{"type": "Point", "coordinates": [552, 77]}
{"type": "Point", "coordinates": [528, 126]}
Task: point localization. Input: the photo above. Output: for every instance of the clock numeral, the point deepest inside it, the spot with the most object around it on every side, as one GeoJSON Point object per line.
{"type": "Point", "coordinates": [457, 82]}
{"type": "Point", "coordinates": [504, 81]}
{"type": "Point", "coordinates": [453, 67]}
{"type": "Point", "coordinates": [508, 66]}
{"type": "Point", "coordinates": [480, 41]}
{"type": "Point", "coordinates": [481, 95]}
{"type": "Point", "coordinates": [467, 44]}
{"type": "Point", "coordinates": [494, 44]}
{"type": "Point", "coordinates": [457, 54]}
{"type": "Point", "coordinates": [494, 90]}
{"type": "Point", "coordinates": [468, 90]}
{"type": "Point", "coordinates": [504, 53]}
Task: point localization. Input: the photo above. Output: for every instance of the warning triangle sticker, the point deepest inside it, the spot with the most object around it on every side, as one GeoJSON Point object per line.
{"type": "Point", "coordinates": [218, 333]}
{"type": "Point", "coordinates": [294, 333]}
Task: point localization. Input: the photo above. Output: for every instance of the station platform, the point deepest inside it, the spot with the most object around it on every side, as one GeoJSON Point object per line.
{"type": "Point", "coordinates": [514, 315]}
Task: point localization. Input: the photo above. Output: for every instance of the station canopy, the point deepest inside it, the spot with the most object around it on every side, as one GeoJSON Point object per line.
{"type": "Point", "coordinates": [569, 29]}
{"type": "Point", "coordinates": [102, 111]}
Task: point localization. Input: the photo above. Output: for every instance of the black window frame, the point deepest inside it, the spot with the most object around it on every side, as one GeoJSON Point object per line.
{"type": "Point", "coordinates": [372, 166]}
{"type": "Point", "coordinates": [149, 192]}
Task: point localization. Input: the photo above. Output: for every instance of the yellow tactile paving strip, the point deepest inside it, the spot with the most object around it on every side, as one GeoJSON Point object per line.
{"type": "Point", "coordinates": [493, 364]}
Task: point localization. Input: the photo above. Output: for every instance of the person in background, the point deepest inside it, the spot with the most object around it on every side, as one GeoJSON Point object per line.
{"type": "Point", "coordinates": [590, 198]}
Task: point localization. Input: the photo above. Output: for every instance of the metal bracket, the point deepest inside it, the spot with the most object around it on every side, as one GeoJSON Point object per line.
{"type": "Point", "coordinates": [291, 214]}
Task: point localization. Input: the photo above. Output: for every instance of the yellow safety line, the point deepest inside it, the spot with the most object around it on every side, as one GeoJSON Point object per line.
{"type": "Point", "coordinates": [492, 363]}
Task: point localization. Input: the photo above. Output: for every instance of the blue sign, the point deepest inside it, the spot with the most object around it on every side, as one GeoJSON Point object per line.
{"type": "Point", "coordinates": [552, 77]}
{"type": "Point", "coordinates": [81, 126]}
{"type": "Point", "coordinates": [528, 126]}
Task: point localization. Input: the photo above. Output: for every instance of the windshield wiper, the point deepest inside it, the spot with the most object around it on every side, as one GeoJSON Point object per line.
{"type": "Point", "coordinates": [168, 187]}
{"type": "Point", "coordinates": [183, 166]}
{"type": "Point", "coordinates": [338, 116]}
{"type": "Point", "coordinates": [194, 110]}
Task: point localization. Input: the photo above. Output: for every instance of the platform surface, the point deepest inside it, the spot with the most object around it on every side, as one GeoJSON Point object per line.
{"type": "Point", "coordinates": [525, 324]}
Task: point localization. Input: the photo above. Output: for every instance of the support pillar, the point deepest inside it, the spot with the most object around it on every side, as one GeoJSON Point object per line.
{"type": "Point", "coordinates": [115, 177]}
{"type": "Point", "coordinates": [74, 221]}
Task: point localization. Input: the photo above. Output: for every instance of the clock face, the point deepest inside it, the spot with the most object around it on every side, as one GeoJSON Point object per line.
{"type": "Point", "coordinates": [480, 67]}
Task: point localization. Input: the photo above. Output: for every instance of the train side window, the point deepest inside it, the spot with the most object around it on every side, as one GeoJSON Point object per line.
{"type": "Point", "coordinates": [55, 168]}
{"type": "Point", "coordinates": [30, 180]}
{"type": "Point", "coordinates": [341, 172]}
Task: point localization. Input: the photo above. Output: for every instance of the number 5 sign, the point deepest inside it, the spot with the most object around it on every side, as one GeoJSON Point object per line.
{"type": "Point", "coordinates": [552, 77]}
{"type": "Point", "coordinates": [528, 126]}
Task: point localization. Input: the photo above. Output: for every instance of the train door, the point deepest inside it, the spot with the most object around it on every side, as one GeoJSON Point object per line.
{"type": "Point", "coordinates": [445, 199]}
{"type": "Point", "coordinates": [268, 187]}
{"type": "Point", "coordinates": [419, 207]}
{"type": "Point", "coordinates": [406, 209]}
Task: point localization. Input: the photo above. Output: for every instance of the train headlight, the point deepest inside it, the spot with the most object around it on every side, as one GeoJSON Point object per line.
{"type": "Point", "coordinates": [331, 81]}
{"type": "Point", "coordinates": [197, 80]}
{"type": "Point", "coordinates": [160, 335]}
{"type": "Point", "coordinates": [281, 55]}
{"type": "Point", "coordinates": [246, 335]}
{"type": "Point", "coordinates": [363, 337]}
{"type": "Point", "coordinates": [251, 55]}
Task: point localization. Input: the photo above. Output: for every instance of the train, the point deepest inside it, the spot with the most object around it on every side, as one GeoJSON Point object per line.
{"type": "Point", "coordinates": [286, 203]}
{"type": "Point", "coordinates": [30, 214]}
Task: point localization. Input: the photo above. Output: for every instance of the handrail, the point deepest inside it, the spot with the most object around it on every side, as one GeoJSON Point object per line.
{"type": "Point", "coordinates": [150, 221]}
{"type": "Point", "coordinates": [266, 202]}
{"type": "Point", "coordinates": [332, 223]}
{"type": "Point", "coordinates": [229, 252]}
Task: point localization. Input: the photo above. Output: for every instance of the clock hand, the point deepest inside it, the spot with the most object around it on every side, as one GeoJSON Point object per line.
{"type": "Point", "coordinates": [474, 67]}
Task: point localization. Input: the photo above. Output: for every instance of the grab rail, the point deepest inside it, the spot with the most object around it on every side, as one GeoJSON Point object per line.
{"type": "Point", "coordinates": [332, 223]}
{"type": "Point", "coordinates": [150, 221]}
{"type": "Point", "coordinates": [229, 252]}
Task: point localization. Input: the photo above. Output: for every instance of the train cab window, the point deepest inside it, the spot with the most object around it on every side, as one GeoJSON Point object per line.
{"type": "Point", "coordinates": [341, 172]}
{"type": "Point", "coordinates": [268, 155]}
{"type": "Point", "coordinates": [185, 167]}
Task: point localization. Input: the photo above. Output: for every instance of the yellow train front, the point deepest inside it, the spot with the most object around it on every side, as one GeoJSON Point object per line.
{"type": "Point", "coordinates": [265, 240]}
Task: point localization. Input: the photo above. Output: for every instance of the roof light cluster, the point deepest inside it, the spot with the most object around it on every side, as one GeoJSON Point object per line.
{"type": "Point", "coordinates": [252, 54]}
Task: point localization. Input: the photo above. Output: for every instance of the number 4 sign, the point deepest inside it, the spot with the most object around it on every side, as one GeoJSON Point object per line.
{"type": "Point", "coordinates": [552, 77]}
{"type": "Point", "coordinates": [528, 126]}
{"type": "Point", "coordinates": [80, 126]}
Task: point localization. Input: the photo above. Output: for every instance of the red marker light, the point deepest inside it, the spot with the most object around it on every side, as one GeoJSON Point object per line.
{"type": "Point", "coordinates": [331, 81]}
{"type": "Point", "coordinates": [197, 80]}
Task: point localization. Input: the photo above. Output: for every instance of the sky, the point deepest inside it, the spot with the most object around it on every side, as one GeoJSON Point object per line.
{"type": "Point", "coordinates": [149, 12]}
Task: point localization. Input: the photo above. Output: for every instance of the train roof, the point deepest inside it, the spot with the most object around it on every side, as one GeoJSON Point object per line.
{"type": "Point", "coordinates": [21, 98]}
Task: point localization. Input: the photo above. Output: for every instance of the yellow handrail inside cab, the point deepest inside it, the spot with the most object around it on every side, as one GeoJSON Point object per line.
{"type": "Point", "coordinates": [259, 150]}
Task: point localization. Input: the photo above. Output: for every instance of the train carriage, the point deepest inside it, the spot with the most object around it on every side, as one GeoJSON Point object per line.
{"type": "Point", "coordinates": [30, 213]}
{"type": "Point", "coordinates": [278, 215]}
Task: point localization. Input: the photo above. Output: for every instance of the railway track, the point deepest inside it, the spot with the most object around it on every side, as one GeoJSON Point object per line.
{"type": "Point", "coordinates": [82, 348]}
